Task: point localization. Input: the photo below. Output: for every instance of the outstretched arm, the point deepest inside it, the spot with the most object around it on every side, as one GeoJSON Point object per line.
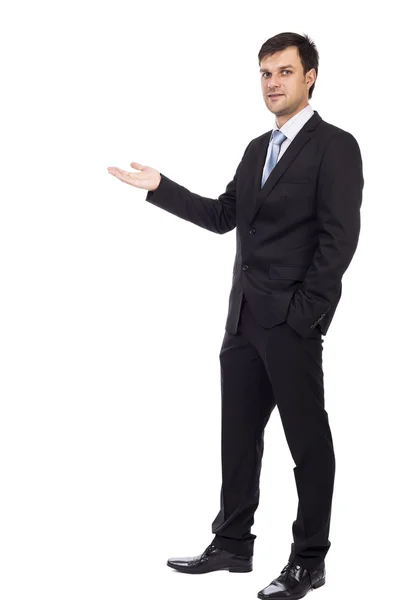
{"type": "Point", "coordinates": [217, 215]}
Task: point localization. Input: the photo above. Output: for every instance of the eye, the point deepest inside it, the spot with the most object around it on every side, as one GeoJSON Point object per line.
{"type": "Point", "coordinates": [284, 71]}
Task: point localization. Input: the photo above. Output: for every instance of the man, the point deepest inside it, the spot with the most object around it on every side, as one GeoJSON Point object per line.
{"type": "Point", "coordinates": [295, 202]}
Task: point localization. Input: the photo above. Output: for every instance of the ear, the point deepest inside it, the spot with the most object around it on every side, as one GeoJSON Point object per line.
{"type": "Point", "coordinates": [311, 76]}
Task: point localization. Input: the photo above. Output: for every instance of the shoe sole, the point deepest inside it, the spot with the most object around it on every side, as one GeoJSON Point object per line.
{"type": "Point", "coordinates": [313, 587]}
{"type": "Point", "coordinates": [195, 570]}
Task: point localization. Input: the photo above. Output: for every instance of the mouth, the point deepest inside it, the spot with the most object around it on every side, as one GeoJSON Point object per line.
{"type": "Point", "coordinates": [274, 95]}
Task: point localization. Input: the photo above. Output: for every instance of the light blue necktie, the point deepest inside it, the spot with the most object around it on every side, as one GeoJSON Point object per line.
{"type": "Point", "coordinates": [277, 138]}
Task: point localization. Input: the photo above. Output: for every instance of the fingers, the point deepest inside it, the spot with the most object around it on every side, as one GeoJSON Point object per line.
{"type": "Point", "coordinates": [125, 176]}
{"type": "Point", "coordinates": [137, 166]}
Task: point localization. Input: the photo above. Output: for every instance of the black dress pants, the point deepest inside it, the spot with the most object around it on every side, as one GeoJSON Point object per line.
{"type": "Point", "coordinates": [261, 368]}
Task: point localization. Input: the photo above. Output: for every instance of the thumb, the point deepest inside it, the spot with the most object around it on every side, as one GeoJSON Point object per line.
{"type": "Point", "coordinates": [138, 166]}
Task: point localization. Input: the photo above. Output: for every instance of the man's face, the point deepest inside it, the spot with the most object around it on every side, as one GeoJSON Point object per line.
{"type": "Point", "coordinates": [282, 73]}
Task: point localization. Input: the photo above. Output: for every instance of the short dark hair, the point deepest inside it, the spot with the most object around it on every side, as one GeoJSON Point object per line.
{"type": "Point", "coordinates": [307, 50]}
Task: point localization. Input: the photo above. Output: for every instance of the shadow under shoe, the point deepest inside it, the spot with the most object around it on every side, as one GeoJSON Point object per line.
{"type": "Point", "coordinates": [212, 559]}
{"type": "Point", "coordinates": [294, 582]}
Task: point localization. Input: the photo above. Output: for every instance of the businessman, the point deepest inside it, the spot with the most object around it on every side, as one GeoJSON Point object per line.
{"type": "Point", "coordinates": [295, 201]}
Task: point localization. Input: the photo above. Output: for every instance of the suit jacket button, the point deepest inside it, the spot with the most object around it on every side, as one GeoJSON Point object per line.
{"type": "Point", "coordinates": [245, 267]}
{"type": "Point", "coordinates": [252, 231]}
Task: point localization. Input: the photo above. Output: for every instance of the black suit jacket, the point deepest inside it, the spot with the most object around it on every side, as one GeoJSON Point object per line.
{"type": "Point", "coordinates": [296, 236]}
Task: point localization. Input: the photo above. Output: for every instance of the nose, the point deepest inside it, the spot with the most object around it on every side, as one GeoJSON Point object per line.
{"type": "Point", "coordinates": [272, 84]}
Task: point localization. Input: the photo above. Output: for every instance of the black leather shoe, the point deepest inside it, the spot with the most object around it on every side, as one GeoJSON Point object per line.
{"type": "Point", "coordinates": [212, 559]}
{"type": "Point", "coordinates": [294, 582]}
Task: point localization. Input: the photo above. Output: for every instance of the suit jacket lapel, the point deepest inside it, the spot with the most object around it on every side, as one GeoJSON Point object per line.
{"type": "Point", "coordinates": [261, 194]}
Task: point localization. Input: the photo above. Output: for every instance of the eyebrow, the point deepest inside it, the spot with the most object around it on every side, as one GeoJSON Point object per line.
{"type": "Point", "coordinates": [280, 68]}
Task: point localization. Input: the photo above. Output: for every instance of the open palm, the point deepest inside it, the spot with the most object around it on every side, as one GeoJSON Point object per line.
{"type": "Point", "coordinates": [147, 178]}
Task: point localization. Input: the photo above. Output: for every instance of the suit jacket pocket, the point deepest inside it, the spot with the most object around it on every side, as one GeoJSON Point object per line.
{"type": "Point", "coordinates": [293, 272]}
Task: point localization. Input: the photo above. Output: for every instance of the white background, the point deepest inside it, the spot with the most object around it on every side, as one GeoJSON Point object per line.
{"type": "Point", "coordinates": [113, 311]}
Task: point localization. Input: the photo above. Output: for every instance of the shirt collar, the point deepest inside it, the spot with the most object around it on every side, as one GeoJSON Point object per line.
{"type": "Point", "coordinates": [293, 126]}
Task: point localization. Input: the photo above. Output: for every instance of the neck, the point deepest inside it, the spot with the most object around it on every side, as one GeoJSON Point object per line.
{"type": "Point", "coordinates": [282, 119]}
